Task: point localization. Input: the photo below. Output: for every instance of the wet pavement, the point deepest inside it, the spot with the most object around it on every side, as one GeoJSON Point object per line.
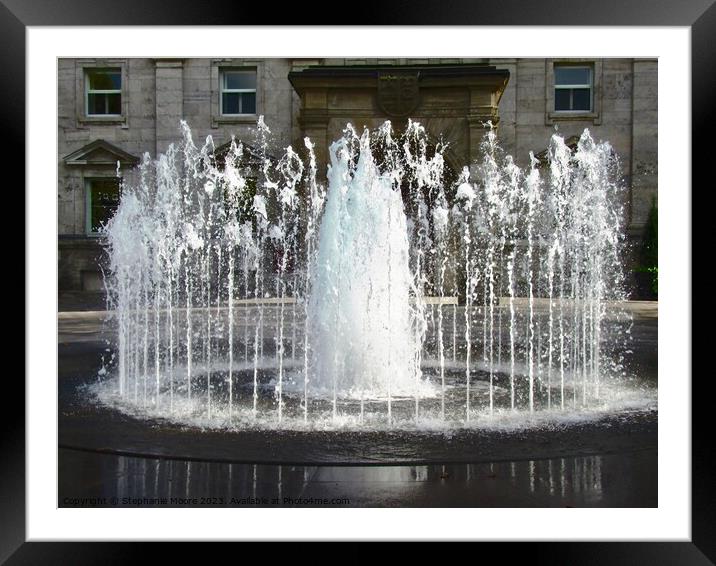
{"type": "Point", "coordinates": [86, 424]}
{"type": "Point", "coordinates": [90, 479]}
{"type": "Point", "coordinates": [104, 454]}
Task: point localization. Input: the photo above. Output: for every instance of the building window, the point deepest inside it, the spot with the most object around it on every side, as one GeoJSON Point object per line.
{"type": "Point", "coordinates": [238, 92]}
{"type": "Point", "coordinates": [102, 202]}
{"type": "Point", "coordinates": [104, 92]}
{"type": "Point", "coordinates": [573, 87]}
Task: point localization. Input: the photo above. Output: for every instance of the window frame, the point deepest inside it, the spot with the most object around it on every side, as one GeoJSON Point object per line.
{"type": "Point", "coordinates": [102, 70]}
{"type": "Point", "coordinates": [572, 87]}
{"type": "Point", "coordinates": [223, 71]}
{"type": "Point", "coordinates": [219, 120]}
{"type": "Point", "coordinates": [593, 116]}
{"type": "Point", "coordinates": [88, 201]}
{"type": "Point", "coordinates": [82, 67]}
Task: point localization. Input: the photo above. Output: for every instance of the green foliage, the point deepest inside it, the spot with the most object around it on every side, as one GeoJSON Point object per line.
{"type": "Point", "coordinates": [649, 257]}
{"type": "Point", "coordinates": [650, 248]}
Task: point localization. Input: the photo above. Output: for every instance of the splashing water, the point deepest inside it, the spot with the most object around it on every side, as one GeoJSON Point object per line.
{"type": "Point", "coordinates": [247, 294]}
{"type": "Point", "coordinates": [361, 317]}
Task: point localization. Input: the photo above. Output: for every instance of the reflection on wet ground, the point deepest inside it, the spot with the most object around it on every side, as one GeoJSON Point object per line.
{"type": "Point", "coordinates": [91, 479]}
{"type": "Point", "coordinates": [620, 470]}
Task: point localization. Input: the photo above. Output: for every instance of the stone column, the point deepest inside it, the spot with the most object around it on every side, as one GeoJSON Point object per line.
{"type": "Point", "coordinates": [169, 101]}
{"type": "Point", "coordinates": [508, 107]}
{"type": "Point", "coordinates": [644, 171]}
{"type": "Point", "coordinates": [314, 120]}
{"type": "Point", "coordinates": [483, 110]}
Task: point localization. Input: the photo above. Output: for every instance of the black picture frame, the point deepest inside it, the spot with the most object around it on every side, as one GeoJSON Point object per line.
{"type": "Point", "coordinates": [699, 15]}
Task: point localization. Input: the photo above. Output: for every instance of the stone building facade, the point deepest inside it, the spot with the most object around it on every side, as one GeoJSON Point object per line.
{"type": "Point", "coordinates": [115, 110]}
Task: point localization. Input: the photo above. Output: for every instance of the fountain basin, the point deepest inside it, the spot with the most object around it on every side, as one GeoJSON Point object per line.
{"type": "Point", "coordinates": [96, 426]}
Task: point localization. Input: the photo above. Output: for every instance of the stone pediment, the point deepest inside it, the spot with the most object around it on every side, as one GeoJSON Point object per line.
{"type": "Point", "coordinates": [251, 156]}
{"type": "Point", "coordinates": [100, 153]}
{"type": "Point", "coordinates": [543, 156]}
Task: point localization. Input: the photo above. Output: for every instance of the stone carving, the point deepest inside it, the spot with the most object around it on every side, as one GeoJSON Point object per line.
{"type": "Point", "coordinates": [398, 94]}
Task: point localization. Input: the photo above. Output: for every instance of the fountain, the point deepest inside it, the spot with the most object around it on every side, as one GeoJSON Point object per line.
{"type": "Point", "coordinates": [247, 295]}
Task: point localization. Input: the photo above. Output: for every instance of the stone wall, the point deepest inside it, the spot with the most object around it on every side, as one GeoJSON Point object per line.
{"type": "Point", "coordinates": [78, 264]}
{"type": "Point", "coordinates": [158, 93]}
{"type": "Point", "coordinates": [644, 134]}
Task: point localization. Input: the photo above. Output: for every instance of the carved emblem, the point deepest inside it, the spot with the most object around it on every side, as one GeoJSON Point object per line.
{"type": "Point", "coordinates": [398, 94]}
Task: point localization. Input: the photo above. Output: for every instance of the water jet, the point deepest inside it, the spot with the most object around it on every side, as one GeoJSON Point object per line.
{"type": "Point", "coordinates": [259, 298]}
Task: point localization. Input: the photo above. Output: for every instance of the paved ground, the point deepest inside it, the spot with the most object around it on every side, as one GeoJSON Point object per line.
{"type": "Point", "coordinates": [90, 479]}
{"type": "Point", "coordinates": [90, 426]}
{"type": "Point", "coordinates": [626, 477]}
{"type": "Point", "coordinates": [87, 321]}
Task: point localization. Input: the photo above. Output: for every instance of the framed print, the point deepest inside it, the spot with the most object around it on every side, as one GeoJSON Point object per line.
{"type": "Point", "coordinates": [410, 263]}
